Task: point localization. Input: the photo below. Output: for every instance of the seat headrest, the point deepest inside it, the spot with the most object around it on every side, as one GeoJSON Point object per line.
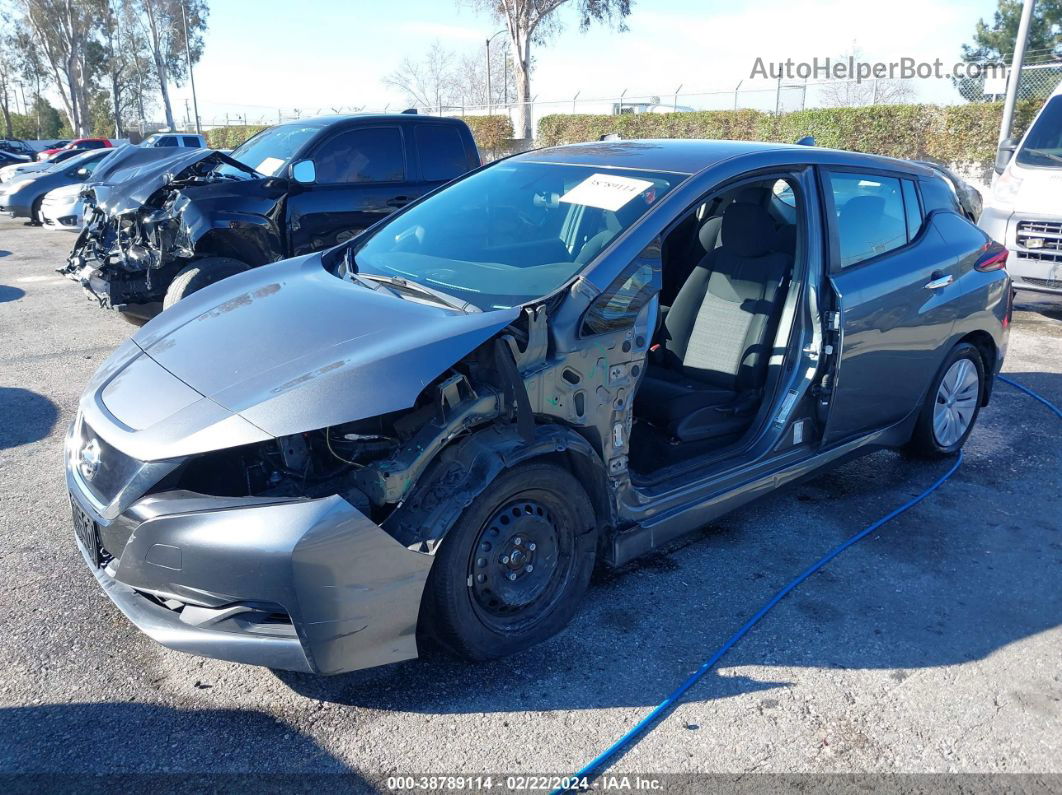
{"type": "Point", "coordinates": [748, 230]}
{"type": "Point", "coordinates": [863, 209]}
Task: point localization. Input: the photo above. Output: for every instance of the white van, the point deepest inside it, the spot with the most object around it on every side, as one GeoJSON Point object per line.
{"type": "Point", "coordinates": [1024, 210]}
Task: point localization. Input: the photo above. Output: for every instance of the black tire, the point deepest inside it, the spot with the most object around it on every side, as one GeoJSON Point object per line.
{"type": "Point", "coordinates": [198, 275]}
{"type": "Point", "coordinates": [539, 511]}
{"type": "Point", "coordinates": [35, 212]}
{"type": "Point", "coordinates": [925, 441]}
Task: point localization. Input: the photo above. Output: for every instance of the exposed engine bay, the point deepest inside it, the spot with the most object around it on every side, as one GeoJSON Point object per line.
{"type": "Point", "coordinates": [141, 226]}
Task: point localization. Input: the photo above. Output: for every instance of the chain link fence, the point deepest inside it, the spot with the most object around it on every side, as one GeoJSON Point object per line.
{"type": "Point", "coordinates": [1038, 81]}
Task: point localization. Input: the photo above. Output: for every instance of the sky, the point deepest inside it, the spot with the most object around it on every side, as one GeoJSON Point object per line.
{"type": "Point", "coordinates": [262, 56]}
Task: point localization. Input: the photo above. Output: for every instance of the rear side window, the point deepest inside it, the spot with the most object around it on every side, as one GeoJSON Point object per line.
{"type": "Point", "coordinates": [442, 152]}
{"type": "Point", "coordinates": [870, 215]}
{"type": "Point", "coordinates": [91, 144]}
{"type": "Point", "coordinates": [366, 154]}
{"type": "Point", "coordinates": [912, 209]}
{"type": "Point", "coordinates": [192, 141]}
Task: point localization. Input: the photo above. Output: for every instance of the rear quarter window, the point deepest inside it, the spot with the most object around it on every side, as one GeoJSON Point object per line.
{"type": "Point", "coordinates": [938, 195]}
{"type": "Point", "coordinates": [442, 152]}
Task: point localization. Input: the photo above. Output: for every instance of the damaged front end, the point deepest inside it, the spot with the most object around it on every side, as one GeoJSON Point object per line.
{"type": "Point", "coordinates": [136, 234]}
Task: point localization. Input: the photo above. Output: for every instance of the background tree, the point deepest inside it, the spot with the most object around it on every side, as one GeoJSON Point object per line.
{"type": "Point", "coordinates": [61, 31]}
{"type": "Point", "coordinates": [8, 73]}
{"type": "Point", "coordinates": [850, 94]}
{"type": "Point", "coordinates": [994, 43]}
{"type": "Point", "coordinates": [427, 83]}
{"type": "Point", "coordinates": [534, 21]}
{"type": "Point", "coordinates": [471, 77]}
{"type": "Point", "coordinates": [163, 23]}
{"type": "Point", "coordinates": [442, 80]}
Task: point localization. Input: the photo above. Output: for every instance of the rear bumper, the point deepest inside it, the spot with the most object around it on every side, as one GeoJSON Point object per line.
{"type": "Point", "coordinates": [201, 574]}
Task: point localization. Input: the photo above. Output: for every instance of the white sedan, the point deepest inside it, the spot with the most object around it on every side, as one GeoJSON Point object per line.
{"type": "Point", "coordinates": [62, 208]}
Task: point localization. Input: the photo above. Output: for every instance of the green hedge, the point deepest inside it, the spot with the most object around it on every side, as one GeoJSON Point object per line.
{"type": "Point", "coordinates": [951, 133]}
{"type": "Point", "coordinates": [491, 133]}
{"type": "Point", "coordinates": [232, 136]}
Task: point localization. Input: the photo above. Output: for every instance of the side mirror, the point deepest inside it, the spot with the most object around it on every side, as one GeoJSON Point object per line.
{"type": "Point", "coordinates": [304, 172]}
{"type": "Point", "coordinates": [81, 172]}
{"type": "Point", "coordinates": [1004, 153]}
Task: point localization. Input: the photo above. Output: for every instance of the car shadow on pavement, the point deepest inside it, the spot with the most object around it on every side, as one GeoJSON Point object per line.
{"type": "Point", "coordinates": [969, 571]}
{"type": "Point", "coordinates": [10, 293]}
{"type": "Point", "coordinates": [25, 416]}
{"type": "Point", "coordinates": [219, 750]}
{"type": "Point", "coordinates": [4, 253]}
{"type": "Point", "coordinates": [1047, 305]}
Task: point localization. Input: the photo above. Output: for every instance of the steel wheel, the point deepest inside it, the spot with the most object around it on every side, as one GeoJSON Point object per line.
{"type": "Point", "coordinates": [956, 402]}
{"type": "Point", "coordinates": [520, 559]}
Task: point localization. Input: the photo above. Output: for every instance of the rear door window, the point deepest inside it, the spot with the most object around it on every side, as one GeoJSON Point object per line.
{"type": "Point", "coordinates": [441, 150]}
{"type": "Point", "coordinates": [191, 141]}
{"type": "Point", "coordinates": [870, 218]}
{"type": "Point", "coordinates": [365, 154]}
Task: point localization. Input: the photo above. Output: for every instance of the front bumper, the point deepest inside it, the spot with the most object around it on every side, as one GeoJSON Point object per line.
{"type": "Point", "coordinates": [303, 585]}
{"type": "Point", "coordinates": [13, 208]}
{"type": "Point", "coordinates": [1036, 269]}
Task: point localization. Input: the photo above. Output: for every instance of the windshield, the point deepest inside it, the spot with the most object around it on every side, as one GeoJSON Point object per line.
{"type": "Point", "coordinates": [270, 150]}
{"type": "Point", "coordinates": [1043, 144]}
{"type": "Point", "coordinates": [512, 232]}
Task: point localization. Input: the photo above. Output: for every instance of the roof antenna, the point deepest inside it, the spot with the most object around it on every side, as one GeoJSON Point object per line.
{"type": "Point", "coordinates": [807, 140]}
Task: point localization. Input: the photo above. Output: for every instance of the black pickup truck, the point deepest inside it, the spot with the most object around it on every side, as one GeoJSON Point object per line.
{"type": "Point", "coordinates": [161, 225]}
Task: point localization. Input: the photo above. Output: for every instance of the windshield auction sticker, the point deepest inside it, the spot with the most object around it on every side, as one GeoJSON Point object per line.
{"type": "Point", "coordinates": [606, 191]}
{"type": "Point", "coordinates": [270, 166]}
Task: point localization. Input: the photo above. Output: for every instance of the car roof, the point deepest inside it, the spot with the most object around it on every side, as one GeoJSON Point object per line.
{"type": "Point", "coordinates": [327, 121]}
{"type": "Point", "coordinates": [690, 156]}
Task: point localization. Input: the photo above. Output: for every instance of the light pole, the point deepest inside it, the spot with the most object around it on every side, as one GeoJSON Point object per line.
{"type": "Point", "coordinates": [1015, 70]}
{"type": "Point", "coordinates": [490, 97]}
{"type": "Point", "coordinates": [191, 76]}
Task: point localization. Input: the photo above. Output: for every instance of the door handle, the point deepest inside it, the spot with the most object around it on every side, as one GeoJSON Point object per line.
{"type": "Point", "coordinates": [397, 201]}
{"type": "Point", "coordinates": [938, 279]}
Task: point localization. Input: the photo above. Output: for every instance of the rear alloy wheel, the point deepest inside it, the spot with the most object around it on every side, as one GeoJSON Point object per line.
{"type": "Point", "coordinates": [952, 404]}
{"type": "Point", "coordinates": [198, 275]}
{"type": "Point", "coordinates": [511, 571]}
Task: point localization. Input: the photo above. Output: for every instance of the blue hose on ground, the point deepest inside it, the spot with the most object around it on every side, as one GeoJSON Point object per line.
{"type": "Point", "coordinates": [1033, 395]}
{"type": "Point", "coordinates": [641, 727]}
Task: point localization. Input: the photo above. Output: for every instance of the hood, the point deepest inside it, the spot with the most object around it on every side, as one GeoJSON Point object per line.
{"type": "Point", "coordinates": [289, 347]}
{"type": "Point", "coordinates": [132, 176]}
{"type": "Point", "coordinates": [65, 193]}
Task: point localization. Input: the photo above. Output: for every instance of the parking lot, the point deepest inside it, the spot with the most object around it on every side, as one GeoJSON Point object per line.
{"type": "Point", "coordinates": [933, 646]}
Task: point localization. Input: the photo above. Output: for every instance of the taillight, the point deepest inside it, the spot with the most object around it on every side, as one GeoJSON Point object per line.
{"type": "Point", "coordinates": [993, 258]}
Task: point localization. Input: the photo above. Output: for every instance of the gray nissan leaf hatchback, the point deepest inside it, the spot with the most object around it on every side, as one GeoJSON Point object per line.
{"type": "Point", "coordinates": [571, 356]}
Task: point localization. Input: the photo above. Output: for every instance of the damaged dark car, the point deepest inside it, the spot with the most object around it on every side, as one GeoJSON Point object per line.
{"type": "Point", "coordinates": [166, 223]}
{"type": "Point", "coordinates": [568, 358]}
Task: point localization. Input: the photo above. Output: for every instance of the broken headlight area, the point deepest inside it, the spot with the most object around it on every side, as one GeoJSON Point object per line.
{"type": "Point", "coordinates": [306, 465]}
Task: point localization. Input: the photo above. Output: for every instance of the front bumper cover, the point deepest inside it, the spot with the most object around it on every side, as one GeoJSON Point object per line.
{"type": "Point", "coordinates": [192, 564]}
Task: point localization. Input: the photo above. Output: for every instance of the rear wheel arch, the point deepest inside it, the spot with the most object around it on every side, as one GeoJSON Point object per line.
{"type": "Point", "coordinates": [984, 343]}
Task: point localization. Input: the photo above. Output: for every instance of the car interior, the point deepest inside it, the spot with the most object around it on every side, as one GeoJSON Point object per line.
{"type": "Point", "coordinates": [727, 268]}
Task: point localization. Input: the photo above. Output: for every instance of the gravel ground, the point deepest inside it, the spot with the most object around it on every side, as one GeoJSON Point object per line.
{"type": "Point", "coordinates": [932, 646]}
